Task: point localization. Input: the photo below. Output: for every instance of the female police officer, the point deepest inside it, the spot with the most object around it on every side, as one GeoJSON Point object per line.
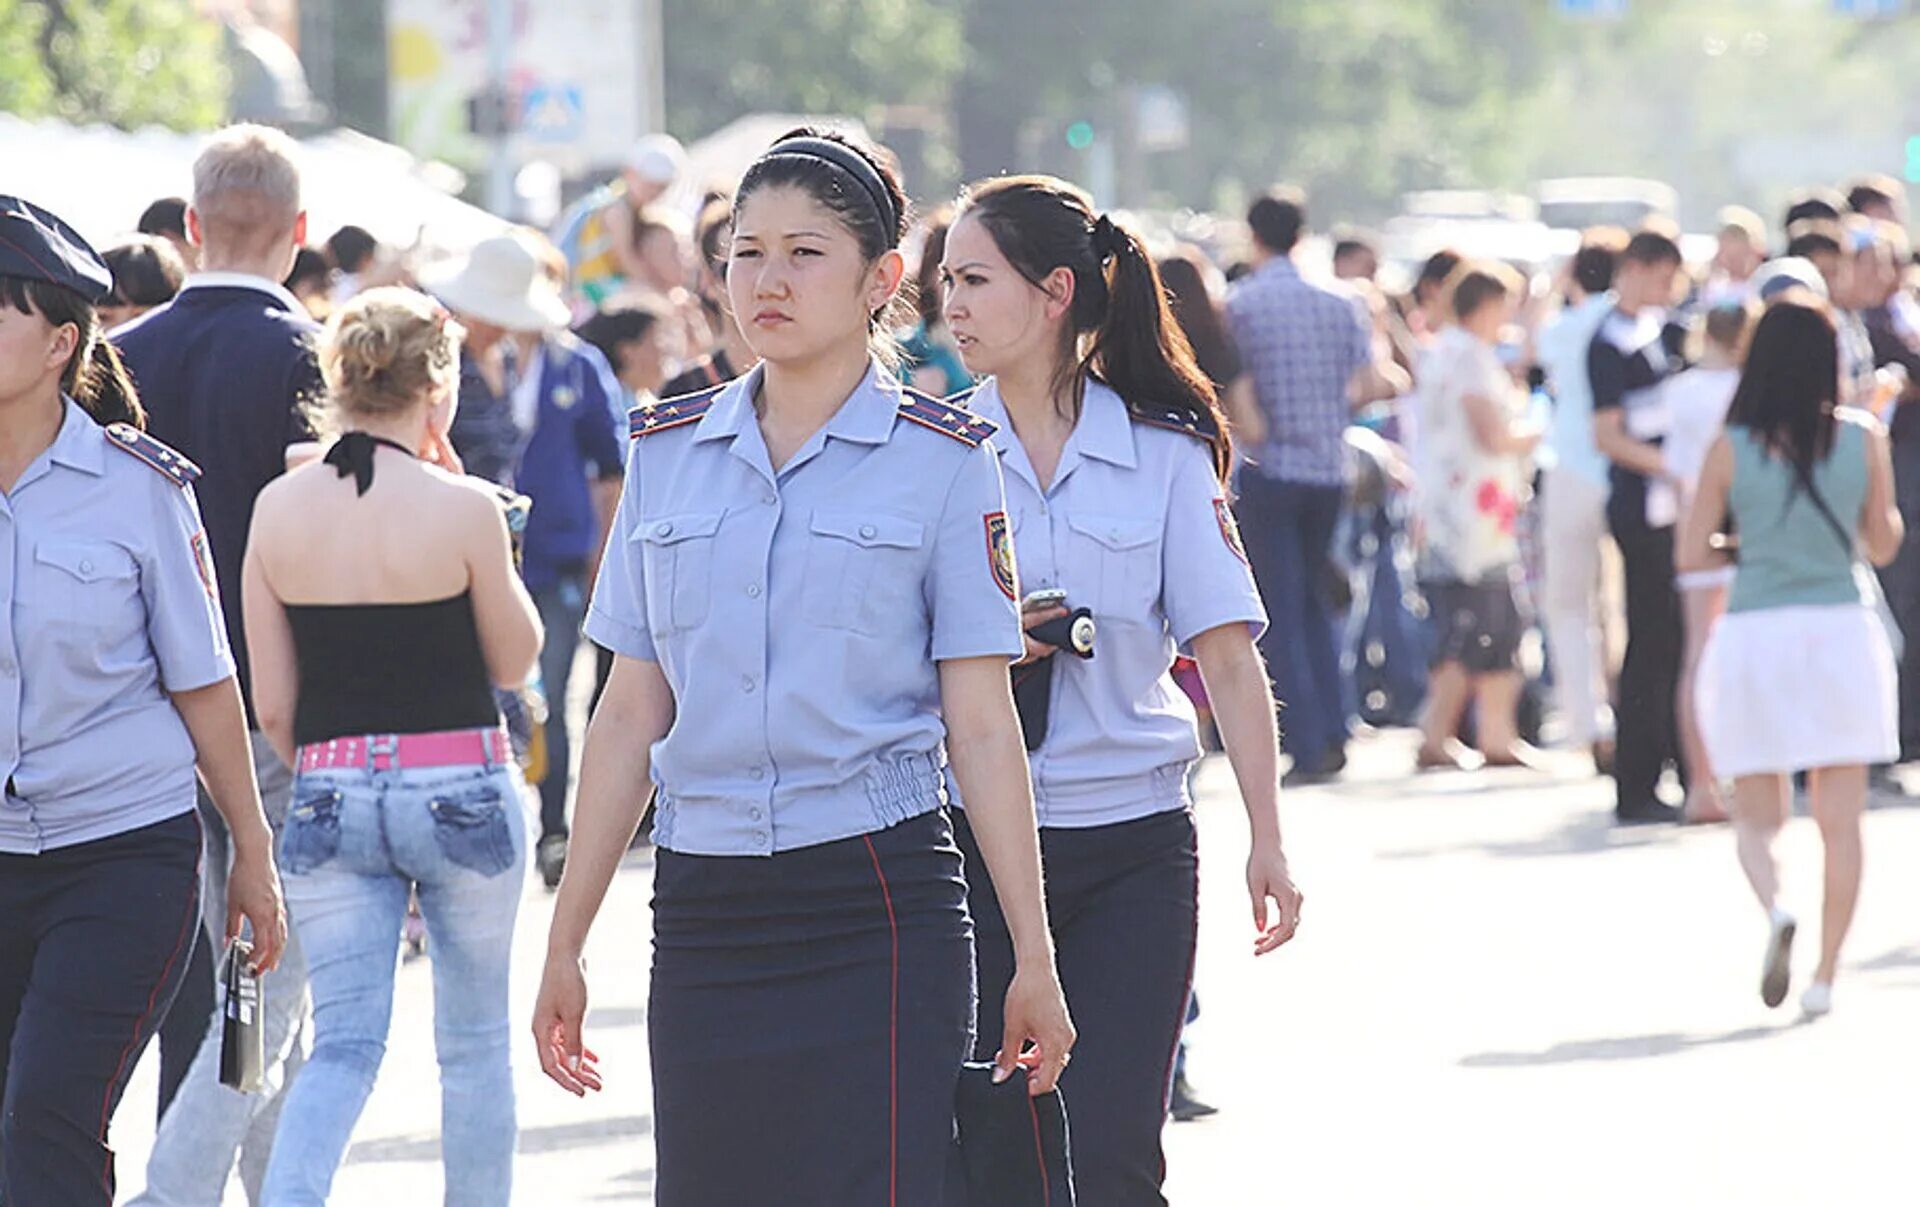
{"type": "Point", "coordinates": [1115, 464]}
{"type": "Point", "coordinates": [115, 683]}
{"type": "Point", "coordinates": [811, 595]}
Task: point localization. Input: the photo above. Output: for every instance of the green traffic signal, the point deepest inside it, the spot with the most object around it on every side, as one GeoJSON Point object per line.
{"type": "Point", "coordinates": [1080, 137]}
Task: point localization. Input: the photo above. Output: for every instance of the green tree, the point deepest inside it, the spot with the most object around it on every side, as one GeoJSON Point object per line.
{"type": "Point", "coordinates": [128, 63]}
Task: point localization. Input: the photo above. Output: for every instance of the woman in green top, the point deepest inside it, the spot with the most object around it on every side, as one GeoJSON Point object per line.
{"type": "Point", "coordinates": [1799, 673]}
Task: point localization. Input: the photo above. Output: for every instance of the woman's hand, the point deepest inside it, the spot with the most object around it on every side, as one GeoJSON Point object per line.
{"type": "Point", "coordinates": [439, 451]}
{"type": "Point", "coordinates": [1036, 1011]}
{"type": "Point", "coordinates": [1031, 617]}
{"type": "Point", "coordinates": [558, 1013]}
{"type": "Point", "coordinates": [1269, 880]}
{"type": "Point", "coordinates": [253, 894]}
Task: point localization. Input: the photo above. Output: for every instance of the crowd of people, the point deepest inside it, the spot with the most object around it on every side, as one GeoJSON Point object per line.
{"type": "Point", "coordinates": [794, 480]}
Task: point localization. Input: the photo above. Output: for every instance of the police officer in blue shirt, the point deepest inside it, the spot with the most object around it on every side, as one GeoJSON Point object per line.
{"type": "Point", "coordinates": [1114, 463]}
{"type": "Point", "coordinates": [812, 603]}
{"type": "Point", "coordinates": [116, 682]}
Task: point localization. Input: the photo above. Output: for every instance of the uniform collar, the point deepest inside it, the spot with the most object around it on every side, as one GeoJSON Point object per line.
{"type": "Point", "coordinates": [80, 443]}
{"type": "Point", "coordinates": [1104, 432]}
{"type": "Point", "coordinates": [866, 417]}
{"type": "Point", "coordinates": [243, 280]}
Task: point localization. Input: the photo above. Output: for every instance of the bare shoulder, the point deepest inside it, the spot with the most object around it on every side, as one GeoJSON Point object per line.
{"type": "Point", "coordinates": [288, 492]}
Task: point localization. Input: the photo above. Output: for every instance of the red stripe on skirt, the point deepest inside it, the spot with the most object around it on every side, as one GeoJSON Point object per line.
{"type": "Point", "coordinates": [893, 1036]}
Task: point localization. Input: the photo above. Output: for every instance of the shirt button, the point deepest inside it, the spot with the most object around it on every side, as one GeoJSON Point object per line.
{"type": "Point", "coordinates": [86, 567]}
{"type": "Point", "coordinates": [758, 773]}
{"type": "Point", "coordinates": [767, 499]}
{"type": "Point", "coordinates": [662, 529]}
{"type": "Point", "coordinates": [746, 684]}
{"type": "Point", "coordinates": [759, 835]}
{"type": "Point", "coordinates": [866, 530]}
{"type": "Point", "coordinates": [753, 591]}
{"type": "Point", "coordinates": [754, 814]}
{"type": "Point", "coordinates": [6, 667]}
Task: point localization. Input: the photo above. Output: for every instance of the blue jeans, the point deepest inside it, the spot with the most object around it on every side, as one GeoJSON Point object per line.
{"type": "Point", "coordinates": [1287, 528]}
{"type": "Point", "coordinates": [354, 842]}
{"type": "Point", "coordinates": [563, 608]}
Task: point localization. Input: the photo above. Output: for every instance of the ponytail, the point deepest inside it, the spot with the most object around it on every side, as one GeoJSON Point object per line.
{"type": "Point", "coordinates": [102, 387]}
{"type": "Point", "coordinates": [94, 376]}
{"type": "Point", "coordinates": [1140, 350]}
{"type": "Point", "coordinates": [1120, 329]}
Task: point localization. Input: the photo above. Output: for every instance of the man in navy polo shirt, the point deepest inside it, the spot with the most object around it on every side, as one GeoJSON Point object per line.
{"type": "Point", "coordinates": [227, 371]}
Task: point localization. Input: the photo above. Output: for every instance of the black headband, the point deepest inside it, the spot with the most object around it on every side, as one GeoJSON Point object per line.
{"type": "Point", "coordinates": [853, 164]}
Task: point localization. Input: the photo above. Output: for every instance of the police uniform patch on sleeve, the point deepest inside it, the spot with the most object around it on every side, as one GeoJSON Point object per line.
{"type": "Point", "coordinates": [203, 562]}
{"type": "Point", "coordinates": [1229, 529]}
{"type": "Point", "coordinates": [130, 439]}
{"type": "Point", "coordinates": [946, 418]}
{"type": "Point", "coordinates": [651, 417]}
{"type": "Point", "coordinates": [1000, 555]}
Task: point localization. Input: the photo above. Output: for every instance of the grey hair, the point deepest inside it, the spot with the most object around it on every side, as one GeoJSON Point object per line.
{"type": "Point", "coordinates": [248, 176]}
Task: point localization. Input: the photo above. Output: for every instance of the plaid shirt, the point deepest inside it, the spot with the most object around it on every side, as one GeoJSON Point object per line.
{"type": "Point", "coordinates": [1303, 343]}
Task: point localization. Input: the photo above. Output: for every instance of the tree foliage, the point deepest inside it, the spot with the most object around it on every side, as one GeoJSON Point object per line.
{"type": "Point", "coordinates": [128, 63]}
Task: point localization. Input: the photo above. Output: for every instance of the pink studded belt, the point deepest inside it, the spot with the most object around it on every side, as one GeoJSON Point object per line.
{"type": "Point", "coordinates": [395, 751]}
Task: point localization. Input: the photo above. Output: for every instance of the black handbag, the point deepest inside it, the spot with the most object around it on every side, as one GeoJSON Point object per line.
{"type": "Point", "coordinates": [1013, 1148]}
{"type": "Point", "coordinates": [242, 1041]}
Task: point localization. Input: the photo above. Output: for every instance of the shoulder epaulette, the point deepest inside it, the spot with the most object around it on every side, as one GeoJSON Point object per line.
{"type": "Point", "coordinates": [1184, 422]}
{"type": "Point", "coordinates": [653, 417]}
{"type": "Point", "coordinates": [947, 418]}
{"type": "Point", "coordinates": [130, 439]}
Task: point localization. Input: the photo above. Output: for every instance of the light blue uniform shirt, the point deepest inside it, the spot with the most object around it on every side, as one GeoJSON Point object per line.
{"type": "Point", "coordinates": [798, 616]}
{"type": "Point", "coordinates": [1136, 527]}
{"type": "Point", "coordinates": [111, 604]}
{"type": "Point", "coordinates": [1562, 349]}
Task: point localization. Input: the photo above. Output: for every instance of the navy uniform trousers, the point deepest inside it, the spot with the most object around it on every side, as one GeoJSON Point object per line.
{"type": "Point", "coordinates": [1123, 904]}
{"type": "Point", "coordinates": [95, 945]}
{"type": "Point", "coordinates": [807, 1019]}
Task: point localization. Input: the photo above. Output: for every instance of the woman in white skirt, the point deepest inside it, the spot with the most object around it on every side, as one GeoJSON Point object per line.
{"type": "Point", "coordinates": [1798, 675]}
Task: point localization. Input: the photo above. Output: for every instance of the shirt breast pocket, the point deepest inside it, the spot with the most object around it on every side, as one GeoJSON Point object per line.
{"type": "Point", "coordinates": [1113, 563]}
{"type": "Point", "coordinates": [860, 568]}
{"type": "Point", "coordinates": [677, 560]}
{"type": "Point", "coordinates": [89, 583]}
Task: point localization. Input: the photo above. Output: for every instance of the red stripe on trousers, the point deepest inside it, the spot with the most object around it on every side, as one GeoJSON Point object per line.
{"type": "Point", "coordinates": [1040, 1154]}
{"type": "Point", "coordinates": [893, 1036]}
{"type": "Point", "coordinates": [139, 1024]}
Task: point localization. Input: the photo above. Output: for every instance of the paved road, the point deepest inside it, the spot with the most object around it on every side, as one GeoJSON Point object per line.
{"type": "Point", "coordinates": [1496, 999]}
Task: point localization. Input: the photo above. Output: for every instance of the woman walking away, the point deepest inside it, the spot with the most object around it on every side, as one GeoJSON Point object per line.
{"type": "Point", "coordinates": [1799, 674]}
{"type": "Point", "coordinates": [810, 595]}
{"type": "Point", "coordinates": [1697, 399]}
{"type": "Point", "coordinates": [1476, 443]}
{"type": "Point", "coordinates": [382, 608]}
{"type": "Point", "coordinates": [1115, 454]}
{"type": "Point", "coordinates": [119, 685]}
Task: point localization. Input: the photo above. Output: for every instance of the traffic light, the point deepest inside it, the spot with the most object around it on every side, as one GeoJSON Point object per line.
{"type": "Point", "coordinates": [1913, 159]}
{"type": "Point", "coordinates": [1080, 135]}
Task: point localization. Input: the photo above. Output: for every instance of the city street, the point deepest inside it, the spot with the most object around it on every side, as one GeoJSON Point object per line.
{"type": "Point", "coordinates": [1496, 998]}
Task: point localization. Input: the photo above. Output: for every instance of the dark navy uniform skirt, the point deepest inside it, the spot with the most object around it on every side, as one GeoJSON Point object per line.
{"type": "Point", "coordinates": [1123, 904]}
{"type": "Point", "coordinates": [809, 1014]}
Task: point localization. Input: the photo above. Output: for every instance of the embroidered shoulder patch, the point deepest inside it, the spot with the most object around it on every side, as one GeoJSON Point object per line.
{"type": "Point", "coordinates": [654, 417]}
{"type": "Point", "coordinates": [1229, 528]}
{"type": "Point", "coordinates": [1200, 428]}
{"type": "Point", "coordinates": [203, 562]}
{"type": "Point", "coordinates": [946, 418]}
{"type": "Point", "coordinates": [130, 439]}
{"type": "Point", "coordinates": [1006, 575]}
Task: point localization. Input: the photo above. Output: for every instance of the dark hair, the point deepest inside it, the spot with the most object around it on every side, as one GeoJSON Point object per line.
{"type": "Point", "coordinates": [1434, 273]}
{"type": "Point", "coordinates": [926, 281]}
{"type": "Point", "coordinates": [1652, 247]}
{"type": "Point", "coordinates": [1473, 287]}
{"type": "Point", "coordinates": [146, 270]}
{"type": "Point", "coordinates": [94, 376]}
{"type": "Point", "coordinates": [710, 233]}
{"type": "Point", "coordinates": [1193, 307]}
{"type": "Point", "coordinates": [1875, 190]}
{"type": "Point", "coordinates": [1791, 382]}
{"type": "Point", "coordinates": [1135, 346]}
{"type": "Point", "coordinates": [167, 216]}
{"type": "Point", "coordinates": [351, 247]}
{"type": "Point", "coordinates": [1598, 258]}
{"type": "Point", "coordinates": [839, 189]}
{"type": "Point", "coordinates": [1815, 236]}
{"type": "Point", "coordinates": [309, 268]}
{"type": "Point", "coordinates": [1277, 218]}
{"type": "Point", "coordinates": [1353, 243]}
{"type": "Point", "coordinates": [608, 329]}
{"type": "Point", "coordinates": [1814, 203]}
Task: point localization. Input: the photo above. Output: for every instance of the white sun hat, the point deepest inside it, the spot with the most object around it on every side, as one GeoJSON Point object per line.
{"type": "Point", "coordinates": [502, 283]}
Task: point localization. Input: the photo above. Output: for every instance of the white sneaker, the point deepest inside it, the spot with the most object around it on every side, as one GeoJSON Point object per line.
{"type": "Point", "coordinates": [1777, 972]}
{"type": "Point", "coordinates": [1817, 1000]}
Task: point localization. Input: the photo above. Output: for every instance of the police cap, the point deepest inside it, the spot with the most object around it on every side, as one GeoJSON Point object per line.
{"type": "Point", "coordinates": [37, 246]}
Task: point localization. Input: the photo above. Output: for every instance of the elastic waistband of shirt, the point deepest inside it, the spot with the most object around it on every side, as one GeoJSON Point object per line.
{"type": "Point", "coordinates": [894, 788]}
{"type": "Point", "coordinates": [1108, 802]}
